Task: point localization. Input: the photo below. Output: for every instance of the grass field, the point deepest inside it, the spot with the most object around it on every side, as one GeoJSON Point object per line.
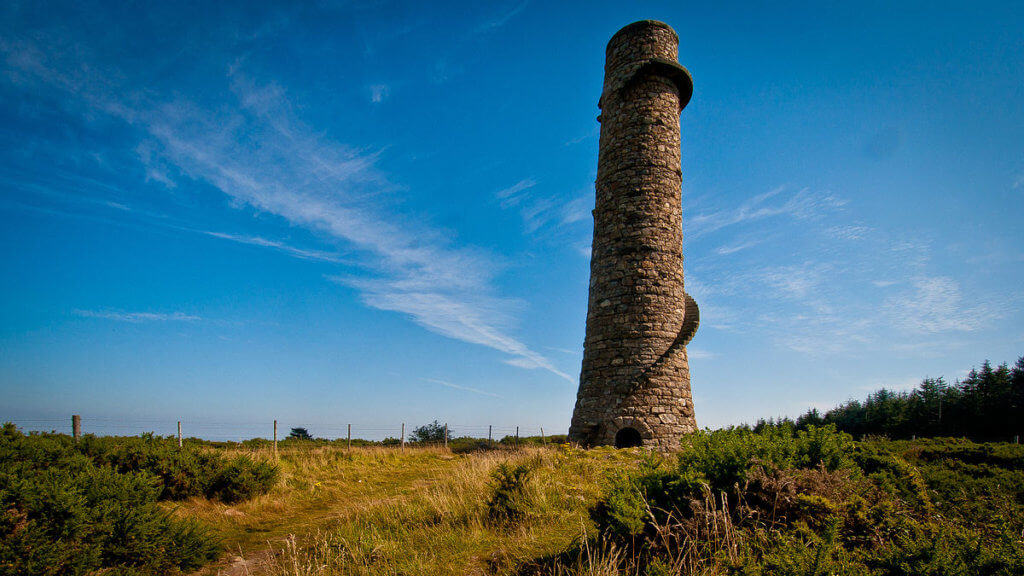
{"type": "Point", "coordinates": [733, 502]}
{"type": "Point", "coordinates": [418, 511]}
{"type": "Point", "coordinates": [776, 501]}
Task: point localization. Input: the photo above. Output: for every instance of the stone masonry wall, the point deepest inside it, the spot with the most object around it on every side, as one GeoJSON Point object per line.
{"type": "Point", "coordinates": [635, 371]}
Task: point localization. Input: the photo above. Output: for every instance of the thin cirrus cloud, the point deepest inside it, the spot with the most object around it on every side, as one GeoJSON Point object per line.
{"type": "Point", "coordinates": [264, 243]}
{"type": "Point", "coordinates": [500, 19]}
{"type": "Point", "coordinates": [459, 387]}
{"type": "Point", "coordinates": [515, 194]}
{"type": "Point", "coordinates": [262, 156]}
{"type": "Point", "coordinates": [379, 93]}
{"type": "Point", "coordinates": [539, 210]}
{"type": "Point", "coordinates": [138, 317]}
{"type": "Point", "coordinates": [934, 305]}
{"type": "Point", "coordinates": [803, 204]}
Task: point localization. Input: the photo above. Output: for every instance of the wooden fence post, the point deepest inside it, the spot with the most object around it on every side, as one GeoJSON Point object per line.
{"type": "Point", "coordinates": [179, 433]}
{"type": "Point", "coordinates": [542, 438]}
{"type": "Point", "coordinates": [349, 436]}
{"type": "Point", "coordinates": [76, 426]}
{"type": "Point", "coordinates": [275, 439]}
{"type": "Point", "coordinates": [446, 435]}
{"type": "Point", "coordinates": [517, 436]}
{"type": "Point", "coordinates": [489, 440]}
{"type": "Point", "coordinates": [403, 436]}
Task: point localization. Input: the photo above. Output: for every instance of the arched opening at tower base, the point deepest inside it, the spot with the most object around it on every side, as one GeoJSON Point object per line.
{"type": "Point", "coordinates": [628, 438]}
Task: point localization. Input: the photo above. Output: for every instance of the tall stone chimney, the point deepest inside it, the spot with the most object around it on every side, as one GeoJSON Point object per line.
{"type": "Point", "coordinates": [635, 381]}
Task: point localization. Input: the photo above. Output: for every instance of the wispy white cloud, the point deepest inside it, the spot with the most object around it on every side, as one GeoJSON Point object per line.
{"type": "Point", "coordinates": [712, 314]}
{"type": "Point", "coordinates": [934, 305]}
{"type": "Point", "coordinates": [474, 319]}
{"type": "Point", "coordinates": [138, 317]}
{"type": "Point", "coordinates": [699, 354]}
{"type": "Point", "coordinates": [501, 19]}
{"type": "Point", "coordinates": [379, 93]}
{"type": "Point", "coordinates": [804, 204]}
{"type": "Point", "coordinates": [263, 157]}
{"type": "Point", "coordinates": [263, 242]}
{"type": "Point", "coordinates": [736, 247]}
{"type": "Point", "coordinates": [459, 387]}
{"type": "Point", "coordinates": [593, 132]}
{"type": "Point", "coordinates": [565, 350]}
{"type": "Point", "coordinates": [537, 213]}
{"type": "Point", "coordinates": [538, 210]}
{"type": "Point", "coordinates": [577, 209]}
{"type": "Point", "coordinates": [848, 232]}
{"type": "Point", "coordinates": [802, 282]}
{"type": "Point", "coordinates": [515, 194]}
{"type": "Point", "coordinates": [156, 171]}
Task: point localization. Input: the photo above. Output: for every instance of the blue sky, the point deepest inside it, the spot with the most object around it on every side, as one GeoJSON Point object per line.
{"type": "Point", "coordinates": [377, 212]}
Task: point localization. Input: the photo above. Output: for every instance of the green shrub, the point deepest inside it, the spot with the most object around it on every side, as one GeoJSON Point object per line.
{"type": "Point", "coordinates": [433, 432]}
{"type": "Point", "coordinates": [509, 500]}
{"type": "Point", "coordinates": [242, 479]}
{"type": "Point", "coordinates": [723, 457]}
{"type": "Point", "coordinates": [183, 472]}
{"type": "Point", "coordinates": [61, 513]}
{"type": "Point", "coordinates": [780, 501]}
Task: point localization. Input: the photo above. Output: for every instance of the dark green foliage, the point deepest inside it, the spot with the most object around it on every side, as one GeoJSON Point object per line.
{"type": "Point", "coordinates": [787, 501]}
{"type": "Point", "coordinates": [512, 441]}
{"type": "Point", "coordinates": [182, 472]}
{"type": "Point", "coordinates": [988, 404]}
{"type": "Point", "coordinates": [510, 499]}
{"type": "Point", "coordinates": [713, 463]}
{"type": "Point", "coordinates": [61, 513]}
{"type": "Point", "coordinates": [299, 434]}
{"type": "Point", "coordinates": [465, 444]}
{"type": "Point", "coordinates": [433, 432]}
{"type": "Point", "coordinates": [240, 479]}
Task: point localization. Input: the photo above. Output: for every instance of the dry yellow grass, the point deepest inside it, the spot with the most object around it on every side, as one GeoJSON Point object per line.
{"type": "Point", "coordinates": [418, 511]}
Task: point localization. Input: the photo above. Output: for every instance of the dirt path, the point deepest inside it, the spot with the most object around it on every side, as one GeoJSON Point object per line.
{"type": "Point", "coordinates": [252, 564]}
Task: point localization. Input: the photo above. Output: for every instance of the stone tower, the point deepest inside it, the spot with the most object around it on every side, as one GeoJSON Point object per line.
{"type": "Point", "coordinates": [635, 381]}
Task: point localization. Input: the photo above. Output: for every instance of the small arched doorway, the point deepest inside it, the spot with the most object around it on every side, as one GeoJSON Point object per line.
{"type": "Point", "coordinates": [628, 438]}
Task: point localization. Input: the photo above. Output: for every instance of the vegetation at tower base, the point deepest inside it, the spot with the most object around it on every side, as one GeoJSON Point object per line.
{"type": "Point", "coordinates": [94, 506]}
{"type": "Point", "coordinates": [988, 404]}
{"type": "Point", "coordinates": [739, 501]}
{"type": "Point", "coordinates": [786, 501]}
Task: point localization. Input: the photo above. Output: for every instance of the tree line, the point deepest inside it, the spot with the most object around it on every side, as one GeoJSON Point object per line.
{"type": "Point", "coordinates": [987, 404]}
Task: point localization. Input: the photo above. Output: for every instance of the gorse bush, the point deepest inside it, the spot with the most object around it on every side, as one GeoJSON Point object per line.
{"type": "Point", "coordinates": [714, 463]}
{"type": "Point", "coordinates": [782, 501]}
{"type": "Point", "coordinates": [241, 478]}
{"type": "Point", "coordinates": [61, 513]}
{"type": "Point", "coordinates": [183, 472]}
{"type": "Point", "coordinates": [510, 499]}
{"type": "Point", "coordinates": [723, 458]}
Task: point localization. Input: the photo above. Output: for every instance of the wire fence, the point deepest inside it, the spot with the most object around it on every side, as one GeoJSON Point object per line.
{"type": "Point", "coordinates": [269, 430]}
